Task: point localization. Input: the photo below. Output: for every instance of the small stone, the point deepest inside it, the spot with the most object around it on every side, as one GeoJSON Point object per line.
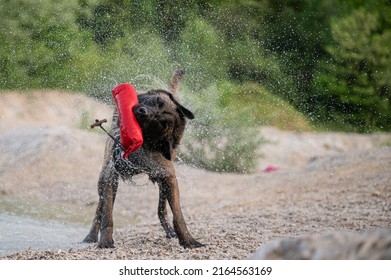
{"type": "Point", "coordinates": [376, 194]}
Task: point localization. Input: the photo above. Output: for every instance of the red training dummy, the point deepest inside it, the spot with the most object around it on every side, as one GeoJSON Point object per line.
{"type": "Point", "coordinates": [125, 98]}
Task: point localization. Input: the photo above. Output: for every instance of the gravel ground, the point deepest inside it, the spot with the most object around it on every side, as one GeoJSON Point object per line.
{"type": "Point", "coordinates": [326, 183]}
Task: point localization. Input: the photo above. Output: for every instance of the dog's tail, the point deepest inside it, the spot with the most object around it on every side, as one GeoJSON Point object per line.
{"type": "Point", "coordinates": [175, 81]}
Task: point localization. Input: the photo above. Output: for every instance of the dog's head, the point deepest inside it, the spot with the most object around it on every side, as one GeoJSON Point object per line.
{"type": "Point", "coordinates": [162, 119]}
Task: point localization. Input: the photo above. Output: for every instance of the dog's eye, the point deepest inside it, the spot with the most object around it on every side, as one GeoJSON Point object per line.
{"type": "Point", "coordinates": [159, 102]}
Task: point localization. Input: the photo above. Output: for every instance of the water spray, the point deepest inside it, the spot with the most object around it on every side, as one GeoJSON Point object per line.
{"type": "Point", "coordinates": [99, 123]}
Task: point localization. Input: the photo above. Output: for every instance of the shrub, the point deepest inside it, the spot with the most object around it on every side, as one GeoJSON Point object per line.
{"type": "Point", "coordinates": [221, 138]}
{"type": "Point", "coordinates": [225, 135]}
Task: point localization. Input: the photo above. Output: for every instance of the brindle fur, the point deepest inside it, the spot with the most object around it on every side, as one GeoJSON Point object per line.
{"type": "Point", "coordinates": [162, 120]}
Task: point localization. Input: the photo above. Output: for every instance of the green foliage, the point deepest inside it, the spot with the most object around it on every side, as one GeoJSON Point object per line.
{"type": "Point", "coordinates": [140, 59]}
{"type": "Point", "coordinates": [330, 59]}
{"type": "Point", "coordinates": [261, 106]}
{"type": "Point", "coordinates": [225, 138]}
{"type": "Point", "coordinates": [357, 78]}
{"type": "Point", "coordinates": [39, 42]}
{"type": "Point", "coordinates": [220, 138]}
{"type": "Point", "coordinates": [248, 61]}
{"type": "Point", "coordinates": [237, 19]}
{"type": "Point", "coordinates": [202, 51]}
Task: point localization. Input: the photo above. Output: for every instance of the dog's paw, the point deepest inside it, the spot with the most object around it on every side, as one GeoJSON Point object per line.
{"type": "Point", "coordinates": [90, 239]}
{"type": "Point", "coordinates": [106, 244]}
{"type": "Point", "coordinates": [170, 234]}
{"type": "Point", "coordinates": [191, 244]}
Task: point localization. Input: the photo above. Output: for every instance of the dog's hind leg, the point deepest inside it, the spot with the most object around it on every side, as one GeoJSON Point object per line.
{"type": "Point", "coordinates": [162, 214]}
{"type": "Point", "coordinates": [168, 185]}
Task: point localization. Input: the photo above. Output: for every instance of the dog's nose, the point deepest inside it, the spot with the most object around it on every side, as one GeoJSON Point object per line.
{"type": "Point", "coordinates": [142, 111]}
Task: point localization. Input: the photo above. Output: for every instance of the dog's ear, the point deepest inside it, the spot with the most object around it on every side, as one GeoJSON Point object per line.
{"type": "Point", "coordinates": [167, 149]}
{"type": "Point", "coordinates": [186, 112]}
{"type": "Point", "coordinates": [182, 110]}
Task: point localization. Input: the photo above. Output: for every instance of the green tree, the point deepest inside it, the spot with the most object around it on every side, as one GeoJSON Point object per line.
{"type": "Point", "coordinates": [356, 81]}
{"type": "Point", "coordinates": [202, 50]}
{"type": "Point", "coordinates": [40, 41]}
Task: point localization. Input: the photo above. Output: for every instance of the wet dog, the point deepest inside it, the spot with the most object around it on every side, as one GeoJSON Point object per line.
{"type": "Point", "coordinates": [162, 120]}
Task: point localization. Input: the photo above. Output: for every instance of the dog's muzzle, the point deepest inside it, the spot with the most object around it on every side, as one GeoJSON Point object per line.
{"type": "Point", "coordinates": [141, 112]}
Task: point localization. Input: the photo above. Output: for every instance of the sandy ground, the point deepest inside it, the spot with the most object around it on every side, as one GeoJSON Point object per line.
{"type": "Point", "coordinates": [49, 165]}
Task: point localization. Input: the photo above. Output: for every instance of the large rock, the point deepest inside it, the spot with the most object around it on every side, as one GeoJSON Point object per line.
{"type": "Point", "coordinates": [369, 245]}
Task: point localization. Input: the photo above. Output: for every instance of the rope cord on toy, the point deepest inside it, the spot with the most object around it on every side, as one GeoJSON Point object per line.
{"type": "Point", "coordinates": [99, 123]}
{"type": "Point", "coordinates": [118, 160]}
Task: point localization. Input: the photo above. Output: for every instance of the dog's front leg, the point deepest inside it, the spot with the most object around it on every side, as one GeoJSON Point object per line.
{"type": "Point", "coordinates": [169, 187]}
{"type": "Point", "coordinates": [109, 186]}
{"type": "Point", "coordinates": [103, 220]}
{"type": "Point", "coordinates": [92, 236]}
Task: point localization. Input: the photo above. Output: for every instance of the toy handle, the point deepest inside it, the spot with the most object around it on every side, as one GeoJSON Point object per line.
{"type": "Point", "coordinates": [98, 123]}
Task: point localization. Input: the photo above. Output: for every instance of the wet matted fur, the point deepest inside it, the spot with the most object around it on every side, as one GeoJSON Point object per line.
{"type": "Point", "coordinates": [163, 120]}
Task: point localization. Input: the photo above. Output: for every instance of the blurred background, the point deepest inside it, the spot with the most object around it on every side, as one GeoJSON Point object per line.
{"type": "Point", "coordinates": [299, 86]}
{"type": "Point", "coordinates": [302, 65]}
